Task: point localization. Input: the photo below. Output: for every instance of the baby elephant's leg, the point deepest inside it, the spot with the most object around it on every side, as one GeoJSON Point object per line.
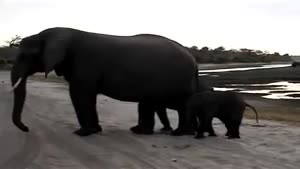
{"type": "Point", "coordinates": [204, 124]}
{"type": "Point", "coordinates": [200, 132]}
{"type": "Point", "coordinates": [226, 123]}
{"type": "Point", "coordinates": [233, 130]}
{"type": "Point", "coordinates": [210, 130]}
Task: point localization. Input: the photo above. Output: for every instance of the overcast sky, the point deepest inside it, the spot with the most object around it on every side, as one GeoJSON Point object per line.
{"type": "Point", "coordinates": [267, 25]}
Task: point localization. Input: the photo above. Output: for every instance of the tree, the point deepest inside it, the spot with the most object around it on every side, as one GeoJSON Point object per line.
{"type": "Point", "coordinates": [205, 49]}
{"type": "Point", "coordinates": [259, 52]}
{"type": "Point", "coordinates": [286, 55]}
{"type": "Point", "coordinates": [14, 42]}
{"type": "Point", "coordinates": [221, 55]}
{"type": "Point", "coordinates": [221, 49]}
{"type": "Point", "coordinates": [194, 48]}
{"type": "Point", "coordinates": [245, 50]}
{"type": "Point", "coordinates": [276, 54]}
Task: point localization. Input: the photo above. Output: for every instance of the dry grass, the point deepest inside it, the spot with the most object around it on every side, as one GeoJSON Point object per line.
{"type": "Point", "coordinates": [276, 115]}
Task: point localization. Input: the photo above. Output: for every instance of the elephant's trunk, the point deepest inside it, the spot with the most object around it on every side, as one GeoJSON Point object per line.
{"type": "Point", "coordinates": [19, 96]}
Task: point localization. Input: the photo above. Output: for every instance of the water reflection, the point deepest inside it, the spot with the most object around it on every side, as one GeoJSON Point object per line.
{"type": "Point", "coordinates": [256, 91]}
{"type": "Point", "coordinates": [293, 95]}
{"type": "Point", "coordinates": [245, 68]}
{"type": "Point", "coordinates": [224, 89]}
{"type": "Point", "coordinates": [277, 90]}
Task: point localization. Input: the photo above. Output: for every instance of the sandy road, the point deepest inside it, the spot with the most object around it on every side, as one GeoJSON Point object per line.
{"type": "Point", "coordinates": [51, 145]}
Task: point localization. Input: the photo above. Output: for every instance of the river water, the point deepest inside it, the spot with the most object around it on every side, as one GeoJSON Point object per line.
{"type": "Point", "coordinates": [276, 90]}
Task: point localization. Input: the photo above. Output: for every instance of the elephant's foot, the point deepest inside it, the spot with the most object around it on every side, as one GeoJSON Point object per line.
{"type": "Point", "coordinates": [166, 129]}
{"type": "Point", "coordinates": [234, 137]}
{"type": "Point", "coordinates": [87, 131]}
{"type": "Point", "coordinates": [141, 130]}
{"type": "Point", "coordinates": [181, 132]}
{"type": "Point", "coordinates": [189, 132]}
{"type": "Point", "coordinates": [199, 136]}
{"type": "Point", "coordinates": [178, 132]}
{"type": "Point", "coordinates": [212, 135]}
{"type": "Point", "coordinates": [227, 134]}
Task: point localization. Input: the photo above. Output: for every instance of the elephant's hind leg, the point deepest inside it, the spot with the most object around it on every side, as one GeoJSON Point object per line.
{"type": "Point", "coordinates": [145, 119]}
{"type": "Point", "coordinates": [163, 117]}
{"type": "Point", "coordinates": [233, 131]}
{"type": "Point", "coordinates": [85, 107]}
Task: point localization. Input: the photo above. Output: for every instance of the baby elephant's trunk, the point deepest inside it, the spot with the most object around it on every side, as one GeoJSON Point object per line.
{"type": "Point", "coordinates": [247, 105]}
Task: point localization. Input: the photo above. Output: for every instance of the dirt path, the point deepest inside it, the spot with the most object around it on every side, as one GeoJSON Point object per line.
{"type": "Point", "coordinates": [51, 144]}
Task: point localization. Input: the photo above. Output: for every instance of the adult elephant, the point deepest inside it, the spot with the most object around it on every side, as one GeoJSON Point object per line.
{"type": "Point", "coordinates": [151, 70]}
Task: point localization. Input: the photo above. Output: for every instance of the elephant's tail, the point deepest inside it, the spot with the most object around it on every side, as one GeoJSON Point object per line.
{"type": "Point", "coordinates": [247, 105]}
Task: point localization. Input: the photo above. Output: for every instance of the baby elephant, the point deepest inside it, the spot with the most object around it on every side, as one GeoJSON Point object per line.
{"type": "Point", "coordinates": [227, 106]}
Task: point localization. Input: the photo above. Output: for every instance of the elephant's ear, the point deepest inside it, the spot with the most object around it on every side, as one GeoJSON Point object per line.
{"type": "Point", "coordinates": [55, 49]}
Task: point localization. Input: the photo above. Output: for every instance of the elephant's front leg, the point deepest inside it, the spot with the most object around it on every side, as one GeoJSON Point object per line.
{"type": "Point", "coordinates": [84, 103]}
{"type": "Point", "coordinates": [145, 119]}
{"type": "Point", "coordinates": [205, 120]}
{"type": "Point", "coordinates": [181, 129]}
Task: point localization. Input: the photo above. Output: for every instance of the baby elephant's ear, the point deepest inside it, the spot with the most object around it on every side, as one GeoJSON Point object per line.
{"type": "Point", "coordinates": [55, 47]}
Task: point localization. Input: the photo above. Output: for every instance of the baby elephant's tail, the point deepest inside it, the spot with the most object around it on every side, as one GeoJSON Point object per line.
{"type": "Point", "coordinates": [247, 105]}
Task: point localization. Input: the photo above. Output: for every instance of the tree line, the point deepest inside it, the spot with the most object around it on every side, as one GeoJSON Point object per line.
{"type": "Point", "coordinates": [220, 55]}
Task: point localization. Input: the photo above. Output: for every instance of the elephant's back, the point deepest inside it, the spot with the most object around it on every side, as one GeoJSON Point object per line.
{"type": "Point", "coordinates": [148, 66]}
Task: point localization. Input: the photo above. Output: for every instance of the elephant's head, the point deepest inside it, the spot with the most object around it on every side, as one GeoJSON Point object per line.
{"type": "Point", "coordinates": [37, 53]}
